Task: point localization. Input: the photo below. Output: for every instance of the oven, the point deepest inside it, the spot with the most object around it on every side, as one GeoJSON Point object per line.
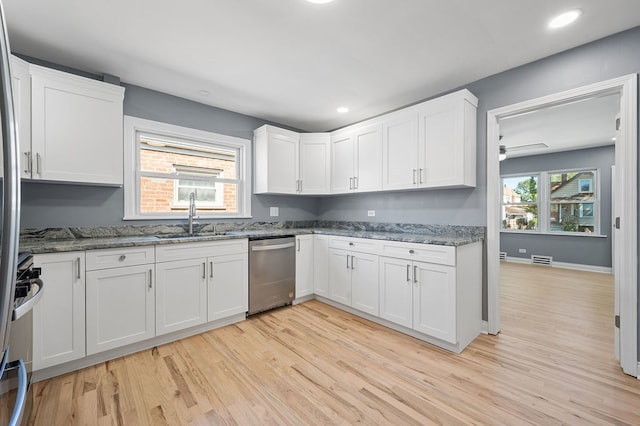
{"type": "Point", "coordinates": [15, 398]}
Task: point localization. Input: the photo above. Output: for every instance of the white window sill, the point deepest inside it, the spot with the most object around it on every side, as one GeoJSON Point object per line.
{"type": "Point", "coordinates": [562, 234]}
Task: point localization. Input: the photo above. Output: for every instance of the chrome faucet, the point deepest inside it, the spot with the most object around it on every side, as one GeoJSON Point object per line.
{"type": "Point", "coordinates": [192, 211]}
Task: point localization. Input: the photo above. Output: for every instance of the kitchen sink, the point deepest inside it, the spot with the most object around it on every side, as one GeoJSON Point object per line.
{"type": "Point", "coordinates": [186, 235]}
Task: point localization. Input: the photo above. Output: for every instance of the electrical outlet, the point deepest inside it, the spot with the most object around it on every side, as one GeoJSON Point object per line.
{"type": "Point", "coordinates": [522, 250]}
{"type": "Point", "coordinates": [274, 211]}
{"type": "Point", "coordinates": [371, 213]}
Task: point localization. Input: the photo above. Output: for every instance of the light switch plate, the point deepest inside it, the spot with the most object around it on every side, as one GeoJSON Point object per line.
{"type": "Point", "coordinates": [274, 211]}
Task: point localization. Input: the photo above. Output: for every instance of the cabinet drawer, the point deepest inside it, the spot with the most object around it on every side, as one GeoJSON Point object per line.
{"type": "Point", "coordinates": [355, 244]}
{"type": "Point", "coordinates": [119, 257]}
{"type": "Point", "coordinates": [182, 251]}
{"type": "Point", "coordinates": [431, 253]}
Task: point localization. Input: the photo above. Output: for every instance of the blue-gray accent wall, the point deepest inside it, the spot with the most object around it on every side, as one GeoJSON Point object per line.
{"type": "Point", "coordinates": [582, 250]}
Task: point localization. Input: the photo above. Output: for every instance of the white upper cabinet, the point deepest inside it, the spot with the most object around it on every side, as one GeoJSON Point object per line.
{"type": "Point", "coordinates": [356, 159]}
{"type": "Point", "coordinates": [315, 159]}
{"type": "Point", "coordinates": [447, 141]}
{"type": "Point", "coordinates": [400, 150]}
{"type": "Point", "coordinates": [76, 128]}
{"type": "Point", "coordinates": [276, 160]}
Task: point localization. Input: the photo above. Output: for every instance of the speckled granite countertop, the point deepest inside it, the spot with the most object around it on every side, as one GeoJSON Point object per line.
{"type": "Point", "coordinates": [51, 240]}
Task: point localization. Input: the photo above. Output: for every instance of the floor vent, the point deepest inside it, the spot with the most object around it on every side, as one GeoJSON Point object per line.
{"type": "Point", "coordinates": [503, 255]}
{"type": "Point", "coordinates": [541, 260]}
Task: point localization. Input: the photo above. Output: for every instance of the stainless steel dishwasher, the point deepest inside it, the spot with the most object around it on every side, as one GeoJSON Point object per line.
{"type": "Point", "coordinates": [272, 272]}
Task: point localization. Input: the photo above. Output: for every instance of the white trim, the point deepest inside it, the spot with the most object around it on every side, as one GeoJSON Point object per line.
{"type": "Point", "coordinates": [485, 327]}
{"type": "Point", "coordinates": [626, 239]}
{"type": "Point", "coordinates": [565, 265]}
{"type": "Point", "coordinates": [134, 125]}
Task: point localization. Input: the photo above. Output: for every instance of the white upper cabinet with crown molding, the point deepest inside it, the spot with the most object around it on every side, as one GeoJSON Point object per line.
{"type": "Point", "coordinates": [76, 129]}
{"type": "Point", "coordinates": [287, 162]}
{"type": "Point", "coordinates": [432, 144]}
{"type": "Point", "coordinates": [356, 159]}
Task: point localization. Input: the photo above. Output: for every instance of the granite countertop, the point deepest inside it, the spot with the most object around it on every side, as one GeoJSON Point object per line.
{"type": "Point", "coordinates": [53, 240]}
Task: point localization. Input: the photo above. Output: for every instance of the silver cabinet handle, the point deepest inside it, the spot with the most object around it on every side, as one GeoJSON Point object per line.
{"type": "Point", "coordinates": [352, 262]}
{"type": "Point", "coordinates": [347, 261]}
{"type": "Point", "coordinates": [408, 272]}
{"type": "Point", "coordinates": [415, 274]}
{"type": "Point", "coordinates": [78, 268]}
{"type": "Point", "coordinates": [38, 163]}
{"type": "Point", "coordinates": [350, 183]}
{"type": "Point", "coordinates": [355, 182]}
{"type": "Point", "coordinates": [414, 176]}
{"type": "Point", "coordinates": [298, 244]}
{"type": "Point", "coordinates": [122, 258]}
{"type": "Point", "coordinates": [211, 269]}
{"type": "Point", "coordinates": [204, 270]}
{"type": "Point", "coordinates": [150, 278]}
{"type": "Point", "coordinates": [421, 178]}
{"type": "Point", "coordinates": [27, 162]}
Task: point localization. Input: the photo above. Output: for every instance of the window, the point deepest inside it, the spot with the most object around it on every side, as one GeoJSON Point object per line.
{"type": "Point", "coordinates": [567, 199]}
{"type": "Point", "coordinates": [571, 201]}
{"type": "Point", "coordinates": [165, 164]}
{"type": "Point", "coordinates": [520, 202]}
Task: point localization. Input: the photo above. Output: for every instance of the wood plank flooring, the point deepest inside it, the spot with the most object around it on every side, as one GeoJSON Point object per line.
{"type": "Point", "coordinates": [313, 364]}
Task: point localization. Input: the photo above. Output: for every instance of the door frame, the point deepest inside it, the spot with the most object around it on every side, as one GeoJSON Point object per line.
{"type": "Point", "coordinates": [626, 238]}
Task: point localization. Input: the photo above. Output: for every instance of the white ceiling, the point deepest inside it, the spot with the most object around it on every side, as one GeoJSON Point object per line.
{"type": "Point", "coordinates": [584, 124]}
{"type": "Point", "coordinates": [294, 62]}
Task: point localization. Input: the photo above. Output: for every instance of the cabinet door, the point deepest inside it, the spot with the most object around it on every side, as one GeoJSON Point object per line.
{"type": "Point", "coordinates": [342, 162]}
{"type": "Point", "coordinates": [368, 158]}
{"type": "Point", "coordinates": [120, 307]}
{"type": "Point", "coordinates": [396, 291]}
{"type": "Point", "coordinates": [400, 151]}
{"type": "Point", "coordinates": [21, 86]}
{"type": "Point", "coordinates": [76, 126]}
{"type": "Point", "coordinates": [321, 265]}
{"type": "Point", "coordinates": [315, 163]}
{"type": "Point", "coordinates": [181, 295]}
{"type": "Point", "coordinates": [434, 301]}
{"type": "Point", "coordinates": [58, 319]}
{"type": "Point", "coordinates": [228, 292]}
{"type": "Point", "coordinates": [447, 141]}
{"type": "Point", "coordinates": [304, 265]}
{"type": "Point", "coordinates": [276, 161]}
{"type": "Point", "coordinates": [340, 276]}
{"type": "Point", "coordinates": [364, 283]}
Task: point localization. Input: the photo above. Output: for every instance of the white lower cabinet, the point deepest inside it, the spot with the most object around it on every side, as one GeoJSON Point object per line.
{"type": "Point", "coordinates": [228, 284]}
{"type": "Point", "coordinates": [181, 295]}
{"type": "Point", "coordinates": [215, 282]}
{"type": "Point", "coordinates": [353, 279]}
{"type": "Point", "coordinates": [58, 318]}
{"type": "Point", "coordinates": [304, 265]}
{"type": "Point", "coordinates": [120, 307]}
{"type": "Point", "coordinates": [420, 296]}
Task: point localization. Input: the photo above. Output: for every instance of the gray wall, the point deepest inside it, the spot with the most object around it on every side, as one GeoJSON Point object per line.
{"type": "Point", "coordinates": [581, 250]}
{"type": "Point", "coordinates": [56, 205]}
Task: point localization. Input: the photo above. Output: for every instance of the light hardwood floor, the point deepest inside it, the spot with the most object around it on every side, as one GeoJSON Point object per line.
{"type": "Point", "coordinates": [313, 364]}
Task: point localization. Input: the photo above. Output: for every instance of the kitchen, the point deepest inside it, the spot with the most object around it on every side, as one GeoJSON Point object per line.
{"type": "Point", "coordinates": [95, 206]}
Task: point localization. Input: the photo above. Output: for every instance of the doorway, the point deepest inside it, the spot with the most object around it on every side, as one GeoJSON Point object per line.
{"type": "Point", "coordinates": [625, 198]}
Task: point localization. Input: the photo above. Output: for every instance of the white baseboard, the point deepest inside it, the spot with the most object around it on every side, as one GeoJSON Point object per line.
{"type": "Point", "coordinates": [575, 266]}
{"type": "Point", "coordinates": [485, 327]}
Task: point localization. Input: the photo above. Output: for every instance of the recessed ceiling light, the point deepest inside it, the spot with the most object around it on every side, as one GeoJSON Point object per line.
{"type": "Point", "coordinates": [342, 109]}
{"type": "Point", "coordinates": [319, 1]}
{"type": "Point", "coordinates": [565, 18]}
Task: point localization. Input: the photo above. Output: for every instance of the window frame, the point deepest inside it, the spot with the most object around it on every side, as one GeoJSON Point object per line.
{"type": "Point", "coordinates": [545, 202]}
{"type": "Point", "coordinates": [187, 172]}
{"type": "Point", "coordinates": [134, 127]}
{"type": "Point", "coordinates": [537, 203]}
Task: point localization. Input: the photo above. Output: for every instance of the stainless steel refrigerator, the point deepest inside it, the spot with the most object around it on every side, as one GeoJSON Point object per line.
{"type": "Point", "coordinates": [20, 285]}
